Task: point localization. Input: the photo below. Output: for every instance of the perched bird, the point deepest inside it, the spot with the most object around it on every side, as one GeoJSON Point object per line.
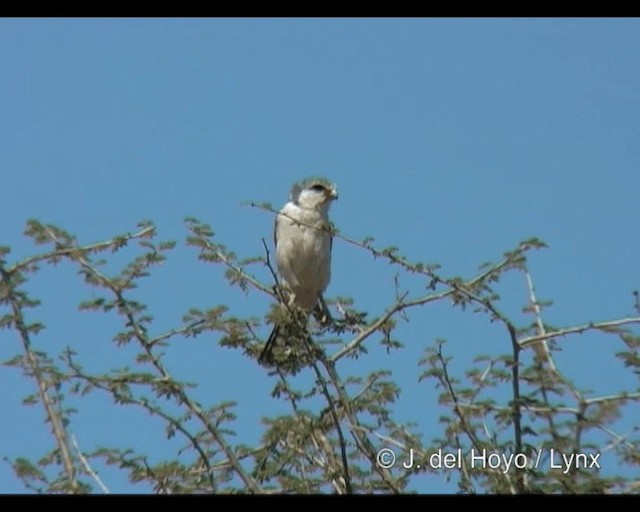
{"type": "Point", "coordinates": [303, 242]}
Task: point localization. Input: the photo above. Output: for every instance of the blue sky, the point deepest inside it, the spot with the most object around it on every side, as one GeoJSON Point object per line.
{"type": "Point", "coordinates": [452, 139]}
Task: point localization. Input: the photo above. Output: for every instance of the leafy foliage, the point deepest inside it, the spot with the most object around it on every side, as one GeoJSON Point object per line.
{"type": "Point", "coordinates": [508, 420]}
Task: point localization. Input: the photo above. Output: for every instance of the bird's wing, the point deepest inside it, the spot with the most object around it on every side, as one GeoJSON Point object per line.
{"type": "Point", "coordinates": [275, 230]}
{"type": "Point", "coordinates": [330, 228]}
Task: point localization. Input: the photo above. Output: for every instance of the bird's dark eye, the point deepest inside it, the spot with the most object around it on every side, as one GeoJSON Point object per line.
{"type": "Point", "coordinates": [318, 188]}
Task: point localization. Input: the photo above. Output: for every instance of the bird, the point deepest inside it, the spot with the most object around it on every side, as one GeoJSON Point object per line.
{"type": "Point", "coordinates": [303, 241]}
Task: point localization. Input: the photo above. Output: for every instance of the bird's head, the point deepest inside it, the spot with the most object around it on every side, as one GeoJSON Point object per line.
{"type": "Point", "coordinates": [314, 193]}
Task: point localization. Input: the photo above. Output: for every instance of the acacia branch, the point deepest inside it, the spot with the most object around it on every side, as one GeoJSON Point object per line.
{"type": "Point", "coordinates": [319, 440]}
{"type": "Point", "coordinates": [69, 251]}
{"type": "Point", "coordinates": [336, 423]}
{"type": "Point", "coordinates": [182, 396]}
{"type": "Point", "coordinates": [106, 385]}
{"type": "Point", "coordinates": [87, 466]}
{"type": "Point", "coordinates": [53, 416]}
{"type": "Point", "coordinates": [426, 270]}
{"type": "Point", "coordinates": [454, 287]}
{"type": "Point", "coordinates": [375, 326]}
{"type": "Point", "coordinates": [176, 332]}
{"type": "Point", "coordinates": [362, 441]}
{"type": "Point", "coordinates": [600, 326]}
{"type": "Point", "coordinates": [541, 349]}
{"type": "Point", "coordinates": [552, 409]}
{"type": "Point", "coordinates": [146, 344]}
{"type": "Point", "coordinates": [227, 262]}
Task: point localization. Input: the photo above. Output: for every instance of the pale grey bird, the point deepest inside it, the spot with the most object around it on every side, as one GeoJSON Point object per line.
{"type": "Point", "coordinates": [303, 241]}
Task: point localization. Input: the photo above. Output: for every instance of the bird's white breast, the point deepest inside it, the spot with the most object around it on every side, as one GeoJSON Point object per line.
{"type": "Point", "coordinates": [303, 253]}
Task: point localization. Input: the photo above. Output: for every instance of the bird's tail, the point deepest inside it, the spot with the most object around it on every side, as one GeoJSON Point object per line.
{"type": "Point", "coordinates": [288, 344]}
{"type": "Point", "coordinates": [267, 354]}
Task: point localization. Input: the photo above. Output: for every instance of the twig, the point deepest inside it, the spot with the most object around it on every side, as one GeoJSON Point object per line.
{"type": "Point", "coordinates": [272, 271]}
{"type": "Point", "coordinates": [454, 397]}
{"type": "Point", "coordinates": [454, 287]}
{"type": "Point", "coordinates": [418, 269]}
{"type": "Point", "coordinates": [83, 248]}
{"type": "Point", "coordinates": [257, 284]}
{"type": "Point", "coordinates": [140, 335]}
{"type": "Point", "coordinates": [87, 466]}
{"type": "Point", "coordinates": [336, 421]}
{"type": "Point", "coordinates": [555, 409]}
{"type": "Point", "coordinates": [541, 349]}
{"type": "Point", "coordinates": [57, 424]}
{"type": "Point", "coordinates": [143, 403]}
{"type": "Point", "coordinates": [175, 332]}
{"type": "Point", "coordinates": [362, 441]}
{"type": "Point", "coordinates": [601, 326]}
{"type": "Point", "coordinates": [366, 332]}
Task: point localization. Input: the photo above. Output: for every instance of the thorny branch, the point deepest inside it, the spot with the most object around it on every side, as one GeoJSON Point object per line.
{"type": "Point", "coordinates": [341, 408]}
{"type": "Point", "coordinates": [592, 326]}
{"type": "Point", "coordinates": [165, 375]}
{"type": "Point", "coordinates": [52, 412]}
{"type": "Point", "coordinates": [87, 466]}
